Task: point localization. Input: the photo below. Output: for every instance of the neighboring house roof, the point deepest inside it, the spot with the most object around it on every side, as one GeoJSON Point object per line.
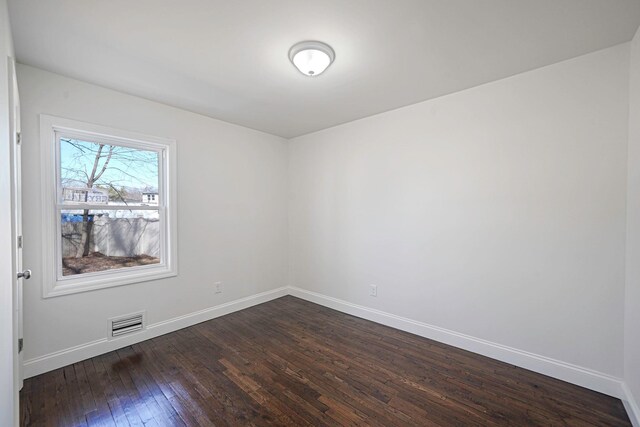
{"type": "Point", "coordinates": [150, 191]}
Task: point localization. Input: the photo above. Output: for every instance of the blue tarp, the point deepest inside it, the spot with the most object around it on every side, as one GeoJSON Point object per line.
{"type": "Point", "coordinates": [67, 217]}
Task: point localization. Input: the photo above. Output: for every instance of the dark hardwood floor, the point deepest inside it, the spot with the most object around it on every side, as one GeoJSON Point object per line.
{"type": "Point", "coordinates": [290, 362]}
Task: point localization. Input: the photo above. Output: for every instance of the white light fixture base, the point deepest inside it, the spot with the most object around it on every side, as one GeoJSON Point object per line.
{"type": "Point", "coordinates": [311, 57]}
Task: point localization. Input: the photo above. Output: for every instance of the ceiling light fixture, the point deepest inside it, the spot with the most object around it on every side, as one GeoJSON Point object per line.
{"type": "Point", "coordinates": [311, 57]}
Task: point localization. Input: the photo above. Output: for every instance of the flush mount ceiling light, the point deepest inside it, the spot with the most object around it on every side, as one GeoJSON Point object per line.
{"type": "Point", "coordinates": [311, 57]}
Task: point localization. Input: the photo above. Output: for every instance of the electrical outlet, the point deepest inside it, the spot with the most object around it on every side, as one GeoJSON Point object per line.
{"type": "Point", "coordinates": [218, 287]}
{"type": "Point", "coordinates": [373, 290]}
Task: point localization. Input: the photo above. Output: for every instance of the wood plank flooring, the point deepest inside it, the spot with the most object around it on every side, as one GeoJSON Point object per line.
{"type": "Point", "coordinates": [290, 362]}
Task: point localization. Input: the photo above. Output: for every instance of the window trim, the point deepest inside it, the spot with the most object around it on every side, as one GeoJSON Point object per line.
{"type": "Point", "coordinates": [53, 284]}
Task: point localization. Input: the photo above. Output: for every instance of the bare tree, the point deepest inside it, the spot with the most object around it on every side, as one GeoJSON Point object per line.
{"type": "Point", "coordinates": [92, 178]}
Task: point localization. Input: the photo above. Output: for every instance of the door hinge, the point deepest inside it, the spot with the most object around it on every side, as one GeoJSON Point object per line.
{"type": "Point", "coordinates": [20, 344]}
{"type": "Point", "coordinates": [19, 242]}
{"type": "Point", "coordinates": [18, 137]}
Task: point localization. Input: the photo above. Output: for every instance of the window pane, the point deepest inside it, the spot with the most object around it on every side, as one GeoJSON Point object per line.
{"type": "Point", "coordinates": [98, 240]}
{"type": "Point", "coordinates": [107, 174]}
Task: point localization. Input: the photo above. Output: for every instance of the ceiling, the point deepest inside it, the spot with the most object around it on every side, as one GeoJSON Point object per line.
{"type": "Point", "coordinates": [228, 59]}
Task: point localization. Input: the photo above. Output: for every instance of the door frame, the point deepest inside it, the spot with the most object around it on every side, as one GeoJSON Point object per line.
{"type": "Point", "coordinates": [16, 226]}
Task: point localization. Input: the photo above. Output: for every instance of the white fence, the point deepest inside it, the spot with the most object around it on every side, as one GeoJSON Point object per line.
{"type": "Point", "coordinates": [114, 237]}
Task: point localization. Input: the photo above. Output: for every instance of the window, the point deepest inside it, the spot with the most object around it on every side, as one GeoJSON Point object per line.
{"type": "Point", "coordinates": [110, 202]}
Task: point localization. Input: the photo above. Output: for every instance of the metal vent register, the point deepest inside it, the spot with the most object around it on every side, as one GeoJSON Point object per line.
{"type": "Point", "coordinates": [127, 325]}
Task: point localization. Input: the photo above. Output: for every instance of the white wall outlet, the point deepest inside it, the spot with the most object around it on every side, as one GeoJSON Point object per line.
{"type": "Point", "coordinates": [373, 290]}
{"type": "Point", "coordinates": [218, 287]}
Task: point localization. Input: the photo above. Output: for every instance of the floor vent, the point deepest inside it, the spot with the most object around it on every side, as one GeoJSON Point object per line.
{"type": "Point", "coordinates": [126, 325]}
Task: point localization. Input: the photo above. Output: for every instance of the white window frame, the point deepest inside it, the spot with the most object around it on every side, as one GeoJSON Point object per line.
{"type": "Point", "coordinates": [53, 283]}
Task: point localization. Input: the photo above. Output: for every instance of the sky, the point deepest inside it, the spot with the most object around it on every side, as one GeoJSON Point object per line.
{"type": "Point", "coordinates": [128, 167]}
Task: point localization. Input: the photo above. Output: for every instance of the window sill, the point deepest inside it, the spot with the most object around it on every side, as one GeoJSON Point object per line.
{"type": "Point", "coordinates": [106, 280]}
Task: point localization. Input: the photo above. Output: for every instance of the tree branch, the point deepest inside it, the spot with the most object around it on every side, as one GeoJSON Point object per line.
{"type": "Point", "coordinates": [106, 163]}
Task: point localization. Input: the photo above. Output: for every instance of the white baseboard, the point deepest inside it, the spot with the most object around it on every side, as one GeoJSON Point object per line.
{"type": "Point", "coordinates": [574, 374]}
{"type": "Point", "coordinates": [568, 372]}
{"type": "Point", "coordinates": [58, 359]}
{"type": "Point", "coordinates": [631, 405]}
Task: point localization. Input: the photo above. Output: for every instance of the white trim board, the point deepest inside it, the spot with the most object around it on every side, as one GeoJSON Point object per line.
{"type": "Point", "coordinates": [58, 359]}
{"type": "Point", "coordinates": [568, 372]}
{"type": "Point", "coordinates": [631, 405]}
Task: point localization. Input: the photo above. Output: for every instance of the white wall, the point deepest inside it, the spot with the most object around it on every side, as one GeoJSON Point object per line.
{"type": "Point", "coordinates": [496, 212]}
{"type": "Point", "coordinates": [236, 233]}
{"type": "Point", "coordinates": [632, 309]}
{"type": "Point", "coordinates": [8, 404]}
